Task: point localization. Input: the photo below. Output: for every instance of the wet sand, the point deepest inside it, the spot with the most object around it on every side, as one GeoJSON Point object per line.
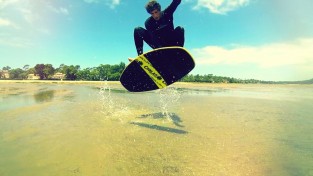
{"type": "Point", "coordinates": [97, 128]}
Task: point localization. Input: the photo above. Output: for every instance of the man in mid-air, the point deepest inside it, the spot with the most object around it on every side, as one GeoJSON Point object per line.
{"type": "Point", "coordinates": [160, 31]}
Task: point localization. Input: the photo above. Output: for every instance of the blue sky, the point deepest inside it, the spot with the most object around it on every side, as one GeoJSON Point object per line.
{"type": "Point", "coordinates": [260, 39]}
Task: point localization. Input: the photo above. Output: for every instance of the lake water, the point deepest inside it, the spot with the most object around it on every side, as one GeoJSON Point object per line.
{"type": "Point", "coordinates": [187, 129]}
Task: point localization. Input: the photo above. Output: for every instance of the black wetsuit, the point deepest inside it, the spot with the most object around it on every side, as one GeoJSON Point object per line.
{"type": "Point", "coordinates": [160, 33]}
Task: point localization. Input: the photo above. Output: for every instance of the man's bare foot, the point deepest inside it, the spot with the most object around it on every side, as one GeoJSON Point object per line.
{"type": "Point", "coordinates": [130, 59]}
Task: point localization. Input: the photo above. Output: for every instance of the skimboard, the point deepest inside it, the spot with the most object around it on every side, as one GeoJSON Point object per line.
{"type": "Point", "coordinates": [157, 69]}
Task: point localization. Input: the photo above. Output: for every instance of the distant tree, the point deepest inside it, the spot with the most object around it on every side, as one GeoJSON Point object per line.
{"type": "Point", "coordinates": [209, 78]}
{"type": "Point", "coordinates": [17, 73]}
{"type": "Point", "coordinates": [94, 74]}
{"type": "Point", "coordinates": [60, 69]}
{"type": "Point", "coordinates": [188, 78]}
{"type": "Point", "coordinates": [31, 71]}
{"type": "Point", "coordinates": [117, 71]}
{"type": "Point", "coordinates": [48, 71]}
{"type": "Point", "coordinates": [23, 75]}
{"type": "Point", "coordinates": [115, 76]}
{"type": "Point", "coordinates": [197, 78]}
{"type": "Point", "coordinates": [71, 71]}
{"type": "Point", "coordinates": [84, 74]}
{"type": "Point", "coordinates": [118, 68]}
{"type": "Point", "coordinates": [232, 80]}
{"type": "Point", "coordinates": [102, 72]}
{"type": "Point", "coordinates": [111, 72]}
{"type": "Point", "coordinates": [26, 67]}
{"type": "Point", "coordinates": [39, 69]}
{"type": "Point", "coordinates": [6, 68]}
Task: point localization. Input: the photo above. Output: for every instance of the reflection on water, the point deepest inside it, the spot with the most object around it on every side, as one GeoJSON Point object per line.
{"type": "Point", "coordinates": [100, 129]}
{"type": "Point", "coordinates": [44, 96]}
{"type": "Point", "coordinates": [11, 91]}
{"type": "Point", "coordinates": [196, 91]}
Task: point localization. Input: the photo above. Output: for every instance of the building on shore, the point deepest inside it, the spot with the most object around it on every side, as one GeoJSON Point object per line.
{"type": "Point", "coordinates": [33, 77]}
{"type": "Point", "coordinates": [4, 74]}
{"type": "Point", "coordinates": [58, 75]}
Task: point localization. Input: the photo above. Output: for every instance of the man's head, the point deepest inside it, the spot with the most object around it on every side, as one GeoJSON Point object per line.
{"type": "Point", "coordinates": [154, 8]}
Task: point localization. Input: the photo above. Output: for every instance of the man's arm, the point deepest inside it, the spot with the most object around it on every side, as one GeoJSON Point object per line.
{"type": "Point", "coordinates": [172, 7]}
{"type": "Point", "coordinates": [148, 25]}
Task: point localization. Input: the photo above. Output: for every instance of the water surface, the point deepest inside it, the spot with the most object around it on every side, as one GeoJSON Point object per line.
{"type": "Point", "coordinates": [187, 129]}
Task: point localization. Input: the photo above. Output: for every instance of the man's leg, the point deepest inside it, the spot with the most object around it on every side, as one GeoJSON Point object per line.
{"type": "Point", "coordinates": [179, 36]}
{"type": "Point", "coordinates": [140, 35]}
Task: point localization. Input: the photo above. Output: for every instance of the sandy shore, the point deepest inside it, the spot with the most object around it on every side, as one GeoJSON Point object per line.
{"type": "Point", "coordinates": [178, 84]}
{"type": "Point", "coordinates": [57, 81]}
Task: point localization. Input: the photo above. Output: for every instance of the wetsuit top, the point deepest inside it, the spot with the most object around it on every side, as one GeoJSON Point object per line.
{"type": "Point", "coordinates": [164, 26]}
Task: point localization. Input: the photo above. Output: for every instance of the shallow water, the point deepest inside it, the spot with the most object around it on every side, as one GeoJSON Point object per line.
{"type": "Point", "coordinates": [199, 129]}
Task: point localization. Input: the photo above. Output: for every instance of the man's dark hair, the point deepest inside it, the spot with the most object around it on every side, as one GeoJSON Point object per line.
{"type": "Point", "coordinates": [152, 5]}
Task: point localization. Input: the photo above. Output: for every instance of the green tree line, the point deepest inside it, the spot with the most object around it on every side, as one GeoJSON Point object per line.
{"type": "Point", "coordinates": [105, 72]}
{"type": "Point", "coordinates": [113, 73]}
{"type": "Point", "coordinates": [71, 72]}
{"type": "Point", "coordinates": [210, 78]}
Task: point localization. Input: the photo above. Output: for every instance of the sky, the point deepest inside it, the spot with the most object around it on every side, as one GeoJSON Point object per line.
{"type": "Point", "coordinates": [248, 39]}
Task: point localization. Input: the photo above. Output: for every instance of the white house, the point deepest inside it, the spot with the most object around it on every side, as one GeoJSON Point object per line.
{"type": "Point", "coordinates": [4, 74]}
{"type": "Point", "coordinates": [33, 77]}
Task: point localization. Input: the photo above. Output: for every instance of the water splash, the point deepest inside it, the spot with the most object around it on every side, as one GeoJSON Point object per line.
{"type": "Point", "coordinates": [169, 97]}
{"type": "Point", "coordinates": [109, 106]}
{"type": "Point", "coordinates": [106, 99]}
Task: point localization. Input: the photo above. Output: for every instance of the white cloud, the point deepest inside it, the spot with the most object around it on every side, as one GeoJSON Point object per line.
{"type": "Point", "coordinates": [110, 3]}
{"type": "Point", "coordinates": [5, 3]}
{"type": "Point", "coordinates": [37, 11]}
{"type": "Point", "coordinates": [16, 42]}
{"type": "Point", "coordinates": [4, 22]}
{"type": "Point", "coordinates": [221, 6]}
{"type": "Point", "coordinates": [28, 15]}
{"type": "Point", "coordinates": [91, 1]}
{"type": "Point", "coordinates": [60, 10]}
{"type": "Point", "coordinates": [114, 3]}
{"type": "Point", "coordinates": [64, 11]}
{"type": "Point", "coordinates": [296, 53]}
{"type": "Point", "coordinates": [8, 23]}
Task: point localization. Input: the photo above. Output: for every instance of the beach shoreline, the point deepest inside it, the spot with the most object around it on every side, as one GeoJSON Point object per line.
{"type": "Point", "coordinates": [118, 82]}
{"type": "Point", "coordinates": [189, 85]}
